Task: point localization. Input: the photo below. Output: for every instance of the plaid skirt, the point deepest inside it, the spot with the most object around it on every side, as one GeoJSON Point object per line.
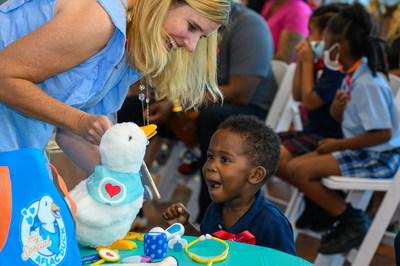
{"type": "Point", "coordinates": [298, 142]}
{"type": "Point", "coordinates": [368, 164]}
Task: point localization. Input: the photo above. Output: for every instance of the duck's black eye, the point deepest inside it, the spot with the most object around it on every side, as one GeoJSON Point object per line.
{"type": "Point", "coordinates": [130, 137]}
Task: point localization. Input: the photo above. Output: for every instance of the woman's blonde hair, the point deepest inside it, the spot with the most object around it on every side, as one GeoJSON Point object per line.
{"type": "Point", "coordinates": [378, 10]}
{"type": "Point", "coordinates": [178, 73]}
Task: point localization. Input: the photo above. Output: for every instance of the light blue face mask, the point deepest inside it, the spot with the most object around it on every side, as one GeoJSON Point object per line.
{"type": "Point", "coordinates": [318, 49]}
{"type": "Point", "coordinates": [114, 188]}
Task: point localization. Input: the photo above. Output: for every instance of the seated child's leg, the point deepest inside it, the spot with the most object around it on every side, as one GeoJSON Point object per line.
{"type": "Point", "coordinates": [305, 171]}
{"type": "Point", "coordinates": [286, 156]}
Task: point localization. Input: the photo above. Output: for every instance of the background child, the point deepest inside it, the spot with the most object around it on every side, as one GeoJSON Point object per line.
{"type": "Point", "coordinates": [243, 153]}
{"type": "Point", "coordinates": [370, 123]}
{"type": "Point", "coordinates": [314, 85]}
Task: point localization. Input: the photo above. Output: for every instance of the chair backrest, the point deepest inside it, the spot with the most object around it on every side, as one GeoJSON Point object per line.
{"type": "Point", "coordinates": [282, 96]}
{"type": "Point", "coordinates": [278, 69]}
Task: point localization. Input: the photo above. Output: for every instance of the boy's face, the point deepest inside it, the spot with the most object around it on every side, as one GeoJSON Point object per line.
{"type": "Point", "coordinates": [227, 167]}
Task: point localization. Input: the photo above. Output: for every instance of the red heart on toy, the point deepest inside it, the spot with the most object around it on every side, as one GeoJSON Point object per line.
{"type": "Point", "coordinates": [108, 253]}
{"type": "Point", "coordinates": [112, 190]}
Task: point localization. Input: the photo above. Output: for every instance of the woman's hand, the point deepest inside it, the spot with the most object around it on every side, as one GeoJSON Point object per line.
{"type": "Point", "coordinates": [176, 213]}
{"type": "Point", "coordinates": [92, 127]}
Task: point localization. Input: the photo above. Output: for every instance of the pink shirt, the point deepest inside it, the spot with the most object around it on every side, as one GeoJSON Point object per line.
{"type": "Point", "coordinates": [291, 16]}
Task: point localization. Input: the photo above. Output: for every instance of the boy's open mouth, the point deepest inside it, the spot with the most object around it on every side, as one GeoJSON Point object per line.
{"type": "Point", "coordinates": [213, 184]}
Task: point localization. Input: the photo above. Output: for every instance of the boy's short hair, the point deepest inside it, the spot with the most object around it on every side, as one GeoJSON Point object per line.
{"type": "Point", "coordinates": [262, 143]}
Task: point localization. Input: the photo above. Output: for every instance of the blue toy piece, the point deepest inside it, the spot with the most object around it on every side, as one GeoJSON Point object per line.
{"type": "Point", "coordinates": [178, 247]}
{"type": "Point", "coordinates": [155, 245]}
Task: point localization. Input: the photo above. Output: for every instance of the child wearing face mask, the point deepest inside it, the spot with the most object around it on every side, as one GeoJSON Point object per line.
{"type": "Point", "coordinates": [315, 85]}
{"type": "Point", "coordinates": [243, 153]}
{"type": "Point", "coordinates": [365, 107]}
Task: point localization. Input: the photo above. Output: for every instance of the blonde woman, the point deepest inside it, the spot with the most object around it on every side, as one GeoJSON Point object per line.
{"type": "Point", "coordinates": [68, 63]}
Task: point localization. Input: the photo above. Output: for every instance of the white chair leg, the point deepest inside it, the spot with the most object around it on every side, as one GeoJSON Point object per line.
{"type": "Point", "coordinates": [167, 184]}
{"type": "Point", "coordinates": [193, 202]}
{"type": "Point", "coordinates": [378, 226]}
{"type": "Point", "coordinates": [359, 199]}
{"type": "Point", "coordinates": [294, 209]}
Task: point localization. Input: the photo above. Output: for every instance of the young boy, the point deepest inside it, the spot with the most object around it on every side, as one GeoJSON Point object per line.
{"type": "Point", "coordinates": [243, 153]}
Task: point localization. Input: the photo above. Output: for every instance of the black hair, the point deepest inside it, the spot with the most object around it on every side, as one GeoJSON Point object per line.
{"type": "Point", "coordinates": [355, 24]}
{"type": "Point", "coordinates": [323, 13]}
{"type": "Point", "coordinates": [262, 143]}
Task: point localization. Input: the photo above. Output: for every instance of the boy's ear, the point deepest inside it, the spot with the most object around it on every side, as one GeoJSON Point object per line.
{"type": "Point", "coordinates": [258, 175]}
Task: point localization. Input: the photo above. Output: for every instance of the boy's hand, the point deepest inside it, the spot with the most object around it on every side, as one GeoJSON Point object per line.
{"type": "Point", "coordinates": [176, 213]}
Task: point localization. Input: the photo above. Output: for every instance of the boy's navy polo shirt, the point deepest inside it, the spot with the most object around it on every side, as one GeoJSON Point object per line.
{"type": "Point", "coordinates": [263, 219]}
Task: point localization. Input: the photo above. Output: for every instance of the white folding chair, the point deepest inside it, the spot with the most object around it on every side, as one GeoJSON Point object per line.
{"type": "Point", "coordinates": [282, 114]}
{"type": "Point", "coordinates": [279, 70]}
{"type": "Point", "coordinates": [360, 191]}
{"type": "Point", "coordinates": [280, 103]}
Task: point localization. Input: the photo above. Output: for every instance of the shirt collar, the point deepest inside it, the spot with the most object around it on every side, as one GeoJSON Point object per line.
{"type": "Point", "coordinates": [360, 69]}
{"type": "Point", "coordinates": [244, 221]}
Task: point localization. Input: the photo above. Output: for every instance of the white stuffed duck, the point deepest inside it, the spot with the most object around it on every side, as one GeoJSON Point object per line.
{"type": "Point", "coordinates": [109, 200]}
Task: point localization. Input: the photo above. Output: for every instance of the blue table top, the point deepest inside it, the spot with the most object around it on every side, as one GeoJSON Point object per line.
{"type": "Point", "coordinates": [239, 254]}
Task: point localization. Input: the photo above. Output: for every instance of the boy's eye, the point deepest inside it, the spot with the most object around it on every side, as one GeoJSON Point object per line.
{"type": "Point", "coordinates": [225, 160]}
{"type": "Point", "coordinates": [210, 156]}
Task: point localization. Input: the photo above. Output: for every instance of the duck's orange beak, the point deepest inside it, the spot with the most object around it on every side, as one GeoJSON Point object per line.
{"type": "Point", "coordinates": [55, 210]}
{"type": "Point", "coordinates": [149, 130]}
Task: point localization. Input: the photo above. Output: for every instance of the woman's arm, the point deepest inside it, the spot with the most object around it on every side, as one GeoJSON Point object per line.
{"type": "Point", "coordinates": [287, 45]}
{"type": "Point", "coordinates": [78, 31]}
{"type": "Point", "coordinates": [240, 89]}
{"type": "Point", "coordinates": [81, 152]}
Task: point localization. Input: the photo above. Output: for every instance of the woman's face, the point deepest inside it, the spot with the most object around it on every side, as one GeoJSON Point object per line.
{"type": "Point", "coordinates": [185, 26]}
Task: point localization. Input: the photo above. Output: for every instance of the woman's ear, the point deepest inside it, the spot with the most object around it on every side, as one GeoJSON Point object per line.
{"type": "Point", "coordinates": [257, 175]}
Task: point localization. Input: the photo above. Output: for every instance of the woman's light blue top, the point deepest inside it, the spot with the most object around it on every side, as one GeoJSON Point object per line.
{"type": "Point", "coordinates": [95, 86]}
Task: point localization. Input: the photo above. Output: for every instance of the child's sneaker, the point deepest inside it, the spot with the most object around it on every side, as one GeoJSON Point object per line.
{"type": "Point", "coordinates": [346, 234]}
